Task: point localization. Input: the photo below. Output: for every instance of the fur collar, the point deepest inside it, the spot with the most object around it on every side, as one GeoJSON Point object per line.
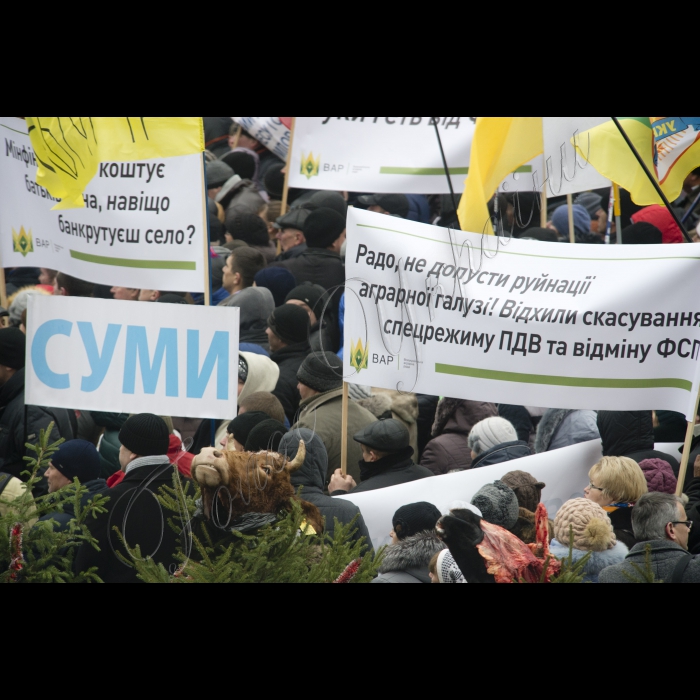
{"type": "Point", "coordinates": [412, 553]}
{"type": "Point", "coordinates": [549, 425]}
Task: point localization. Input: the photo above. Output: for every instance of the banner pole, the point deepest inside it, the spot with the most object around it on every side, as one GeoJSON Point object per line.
{"type": "Point", "coordinates": [611, 212]}
{"type": "Point", "coordinates": [344, 431]}
{"type": "Point", "coordinates": [686, 450]}
{"type": "Point", "coordinates": [447, 169]}
{"type": "Point", "coordinates": [543, 206]}
{"type": "Point", "coordinates": [618, 214]}
{"type": "Point", "coordinates": [207, 252]}
{"type": "Point", "coordinates": [3, 288]}
{"type": "Point", "coordinates": [570, 206]}
{"type": "Point", "coordinates": [285, 193]}
{"type": "Point", "coordinates": [651, 177]}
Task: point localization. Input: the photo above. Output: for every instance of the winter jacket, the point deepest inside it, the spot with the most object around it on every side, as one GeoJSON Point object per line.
{"type": "Point", "coordinates": [597, 562]}
{"type": "Point", "coordinates": [561, 428]}
{"type": "Point", "coordinates": [310, 482]}
{"type": "Point", "coordinates": [520, 419]}
{"type": "Point", "coordinates": [631, 434]}
{"type": "Point", "coordinates": [318, 266]}
{"type": "Point", "coordinates": [672, 427]}
{"type": "Point", "coordinates": [693, 511]}
{"type": "Point", "coordinates": [664, 558]}
{"type": "Point", "coordinates": [294, 252]}
{"type": "Point", "coordinates": [20, 424]}
{"type": "Point", "coordinates": [409, 560]}
{"type": "Point", "coordinates": [419, 208]}
{"type": "Point", "coordinates": [322, 414]}
{"type": "Point", "coordinates": [243, 197]}
{"type": "Point", "coordinates": [427, 409]}
{"type": "Point", "coordinates": [385, 403]}
{"type": "Point", "coordinates": [255, 304]}
{"type": "Point", "coordinates": [500, 454]}
{"type": "Point", "coordinates": [454, 421]}
{"type": "Point", "coordinates": [63, 519]}
{"type": "Point", "coordinates": [289, 359]}
{"type": "Point", "coordinates": [621, 520]}
{"type": "Point", "coordinates": [392, 470]}
{"type": "Point", "coordinates": [134, 509]}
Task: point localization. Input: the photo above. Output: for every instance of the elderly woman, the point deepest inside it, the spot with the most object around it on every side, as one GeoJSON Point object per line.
{"type": "Point", "coordinates": [616, 484]}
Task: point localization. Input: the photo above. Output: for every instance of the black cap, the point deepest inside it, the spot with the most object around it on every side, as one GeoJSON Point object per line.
{"type": "Point", "coordinates": [323, 228]}
{"type": "Point", "coordinates": [218, 174]}
{"type": "Point", "coordinates": [642, 234]}
{"type": "Point", "coordinates": [242, 163]}
{"type": "Point", "coordinates": [385, 436]}
{"type": "Point", "coordinates": [265, 437]}
{"type": "Point", "coordinates": [414, 518]}
{"type": "Point", "coordinates": [145, 435]}
{"type": "Point", "coordinates": [295, 219]}
{"type": "Point", "coordinates": [289, 323]}
{"type": "Point", "coordinates": [330, 200]}
{"type": "Point", "coordinates": [274, 181]}
{"type": "Point", "coordinates": [313, 295]}
{"type": "Point", "coordinates": [241, 426]}
{"type": "Point", "coordinates": [396, 204]}
{"type": "Point", "coordinates": [13, 345]}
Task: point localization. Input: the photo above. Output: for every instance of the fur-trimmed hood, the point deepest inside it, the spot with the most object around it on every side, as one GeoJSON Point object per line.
{"type": "Point", "coordinates": [549, 425]}
{"type": "Point", "coordinates": [597, 562]}
{"type": "Point", "coordinates": [412, 553]}
{"type": "Point", "coordinates": [458, 416]}
{"type": "Point", "coordinates": [560, 427]}
{"type": "Point", "coordinates": [378, 405]}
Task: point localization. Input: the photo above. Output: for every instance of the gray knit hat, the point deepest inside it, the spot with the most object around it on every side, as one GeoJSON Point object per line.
{"type": "Point", "coordinates": [218, 173]}
{"type": "Point", "coordinates": [321, 371]}
{"type": "Point", "coordinates": [490, 433]}
{"type": "Point", "coordinates": [498, 505]}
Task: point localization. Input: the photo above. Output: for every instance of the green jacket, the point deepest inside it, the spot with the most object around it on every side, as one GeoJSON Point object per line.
{"type": "Point", "coordinates": [323, 415]}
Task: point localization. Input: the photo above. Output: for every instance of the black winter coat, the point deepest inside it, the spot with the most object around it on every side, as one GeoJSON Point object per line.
{"type": "Point", "coordinates": [317, 266]}
{"type": "Point", "coordinates": [507, 452]}
{"type": "Point", "coordinates": [146, 526]}
{"type": "Point", "coordinates": [621, 520]}
{"type": "Point", "coordinates": [68, 514]}
{"type": "Point", "coordinates": [20, 424]}
{"type": "Point", "coordinates": [631, 434]}
{"type": "Point", "coordinates": [289, 359]}
{"type": "Point", "coordinates": [393, 470]}
{"type": "Point", "coordinates": [693, 511]}
{"type": "Point", "coordinates": [294, 252]}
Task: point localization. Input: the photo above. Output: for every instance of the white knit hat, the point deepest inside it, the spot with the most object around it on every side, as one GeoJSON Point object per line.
{"type": "Point", "coordinates": [490, 433]}
{"type": "Point", "coordinates": [447, 569]}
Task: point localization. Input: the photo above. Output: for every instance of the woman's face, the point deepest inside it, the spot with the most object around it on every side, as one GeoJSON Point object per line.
{"type": "Point", "coordinates": [594, 492]}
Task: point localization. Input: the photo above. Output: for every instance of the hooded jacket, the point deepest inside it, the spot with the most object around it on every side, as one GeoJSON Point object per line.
{"type": "Point", "coordinates": [20, 424]}
{"type": "Point", "coordinates": [63, 519]}
{"type": "Point", "coordinates": [597, 562]}
{"type": "Point", "coordinates": [631, 434]}
{"type": "Point", "coordinates": [409, 560]}
{"type": "Point", "coordinates": [507, 452]}
{"type": "Point", "coordinates": [311, 479]}
{"type": "Point", "coordinates": [289, 359]}
{"type": "Point", "coordinates": [323, 414]}
{"type": "Point", "coordinates": [449, 451]}
{"type": "Point", "coordinates": [255, 304]}
{"type": "Point", "coordinates": [561, 428]}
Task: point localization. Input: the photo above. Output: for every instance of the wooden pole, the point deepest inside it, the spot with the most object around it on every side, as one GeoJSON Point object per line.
{"type": "Point", "coordinates": [285, 193]}
{"type": "Point", "coordinates": [237, 138]}
{"type": "Point", "coordinates": [570, 205]}
{"type": "Point", "coordinates": [543, 205]}
{"type": "Point", "coordinates": [618, 214]}
{"type": "Point", "coordinates": [3, 288]}
{"type": "Point", "coordinates": [686, 450]}
{"type": "Point", "coordinates": [344, 431]}
{"type": "Point", "coordinates": [207, 252]}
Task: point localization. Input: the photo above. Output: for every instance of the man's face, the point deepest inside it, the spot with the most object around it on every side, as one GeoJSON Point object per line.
{"type": "Point", "coordinates": [368, 455]}
{"type": "Point", "coordinates": [305, 391]}
{"type": "Point", "coordinates": [307, 308]}
{"type": "Point", "coordinates": [149, 295]}
{"type": "Point", "coordinates": [6, 373]}
{"type": "Point", "coordinates": [680, 531]}
{"type": "Point", "coordinates": [56, 480]}
{"type": "Point", "coordinates": [125, 457]}
{"type": "Point", "coordinates": [231, 278]}
{"type": "Point", "coordinates": [275, 342]}
{"type": "Point", "coordinates": [290, 238]}
{"type": "Point", "coordinates": [213, 192]}
{"type": "Point", "coordinates": [124, 293]}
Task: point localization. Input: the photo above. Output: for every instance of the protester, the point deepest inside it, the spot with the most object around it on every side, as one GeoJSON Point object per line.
{"type": "Point", "coordinates": [251, 229]}
{"type": "Point", "coordinates": [263, 401]}
{"type": "Point", "coordinates": [280, 283]}
{"type": "Point", "coordinates": [390, 204]}
{"type": "Point", "coordinates": [386, 460]}
{"type": "Point", "coordinates": [616, 484]}
{"type": "Point", "coordinates": [320, 380]}
{"type": "Point", "coordinates": [323, 333]}
{"type": "Point", "coordinates": [631, 434]}
{"type": "Point", "coordinates": [494, 441]}
{"type": "Point", "coordinates": [265, 436]}
{"type": "Point", "coordinates": [239, 430]}
{"type": "Point", "coordinates": [66, 286]}
{"type": "Point", "coordinates": [498, 505]}
{"type": "Point", "coordinates": [133, 506]}
{"type": "Point", "coordinates": [449, 449]}
{"type": "Point", "coordinates": [75, 459]}
{"type": "Point", "coordinates": [582, 528]}
{"type": "Point", "coordinates": [593, 204]}
{"type": "Point", "coordinates": [288, 332]}
{"type": "Point", "coordinates": [660, 217]}
{"type": "Point", "coordinates": [659, 476]}
{"type": "Point", "coordinates": [669, 426]}
{"type": "Point", "coordinates": [125, 293]}
{"type": "Point", "coordinates": [20, 424]}
{"type": "Point", "coordinates": [561, 428]}
{"type": "Point", "coordinates": [642, 234]}
{"type": "Point", "coordinates": [330, 200]}
{"type": "Point", "coordinates": [444, 569]}
{"type": "Point", "coordinates": [218, 174]}
{"type": "Point", "coordinates": [528, 492]}
{"type": "Point", "coordinates": [582, 224]}
{"type": "Point", "coordinates": [661, 528]}
{"type": "Point", "coordinates": [290, 233]}
{"type": "Point", "coordinates": [11, 488]}
{"type": "Point", "coordinates": [519, 417]}
{"type": "Point", "coordinates": [310, 483]}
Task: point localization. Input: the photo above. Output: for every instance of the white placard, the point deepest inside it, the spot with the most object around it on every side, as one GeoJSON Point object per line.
{"type": "Point", "coordinates": [565, 472]}
{"type": "Point", "coordinates": [522, 322]}
{"type": "Point", "coordinates": [132, 357]}
{"type": "Point", "coordinates": [142, 227]}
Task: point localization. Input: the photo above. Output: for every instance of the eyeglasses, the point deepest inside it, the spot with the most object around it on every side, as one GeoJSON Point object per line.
{"type": "Point", "coordinates": [595, 488]}
{"type": "Point", "coordinates": [687, 523]}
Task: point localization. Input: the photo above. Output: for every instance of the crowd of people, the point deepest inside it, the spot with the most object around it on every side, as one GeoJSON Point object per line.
{"type": "Point", "coordinates": [285, 272]}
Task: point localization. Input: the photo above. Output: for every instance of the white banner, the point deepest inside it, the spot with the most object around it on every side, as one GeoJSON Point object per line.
{"type": "Point", "coordinates": [565, 472]}
{"type": "Point", "coordinates": [272, 132]}
{"type": "Point", "coordinates": [132, 357]}
{"type": "Point", "coordinates": [143, 225]}
{"type": "Point", "coordinates": [437, 311]}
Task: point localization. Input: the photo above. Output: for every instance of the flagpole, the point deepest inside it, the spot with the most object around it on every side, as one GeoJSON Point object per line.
{"type": "Point", "coordinates": [652, 179]}
{"type": "Point", "coordinates": [285, 193]}
{"type": "Point", "coordinates": [344, 430]}
{"type": "Point", "coordinates": [686, 450]}
{"type": "Point", "coordinates": [570, 206]}
{"type": "Point", "coordinates": [447, 169]}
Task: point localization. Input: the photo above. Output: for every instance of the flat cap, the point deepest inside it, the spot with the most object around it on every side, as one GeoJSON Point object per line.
{"type": "Point", "coordinates": [386, 436]}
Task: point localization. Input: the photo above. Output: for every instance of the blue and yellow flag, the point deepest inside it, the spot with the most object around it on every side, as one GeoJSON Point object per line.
{"type": "Point", "coordinates": [70, 149]}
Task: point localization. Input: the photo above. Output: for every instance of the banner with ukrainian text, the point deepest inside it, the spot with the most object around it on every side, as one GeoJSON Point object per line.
{"type": "Point", "coordinates": [143, 223]}
{"type": "Point", "coordinates": [438, 311]}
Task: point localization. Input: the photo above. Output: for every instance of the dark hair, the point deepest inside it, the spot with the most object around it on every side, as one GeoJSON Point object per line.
{"type": "Point", "coordinates": [264, 402]}
{"type": "Point", "coordinates": [73, 286]}
{"type": "Point", "coordinates": [696, 172]}
{"type": "Point", "coordinates": [247, 262]}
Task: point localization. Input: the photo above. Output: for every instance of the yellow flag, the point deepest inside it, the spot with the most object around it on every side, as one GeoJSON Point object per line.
{"type": "Point", "coordinates": [500, 146]}
{"type": "Point", "coordinates": [70, 149]}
